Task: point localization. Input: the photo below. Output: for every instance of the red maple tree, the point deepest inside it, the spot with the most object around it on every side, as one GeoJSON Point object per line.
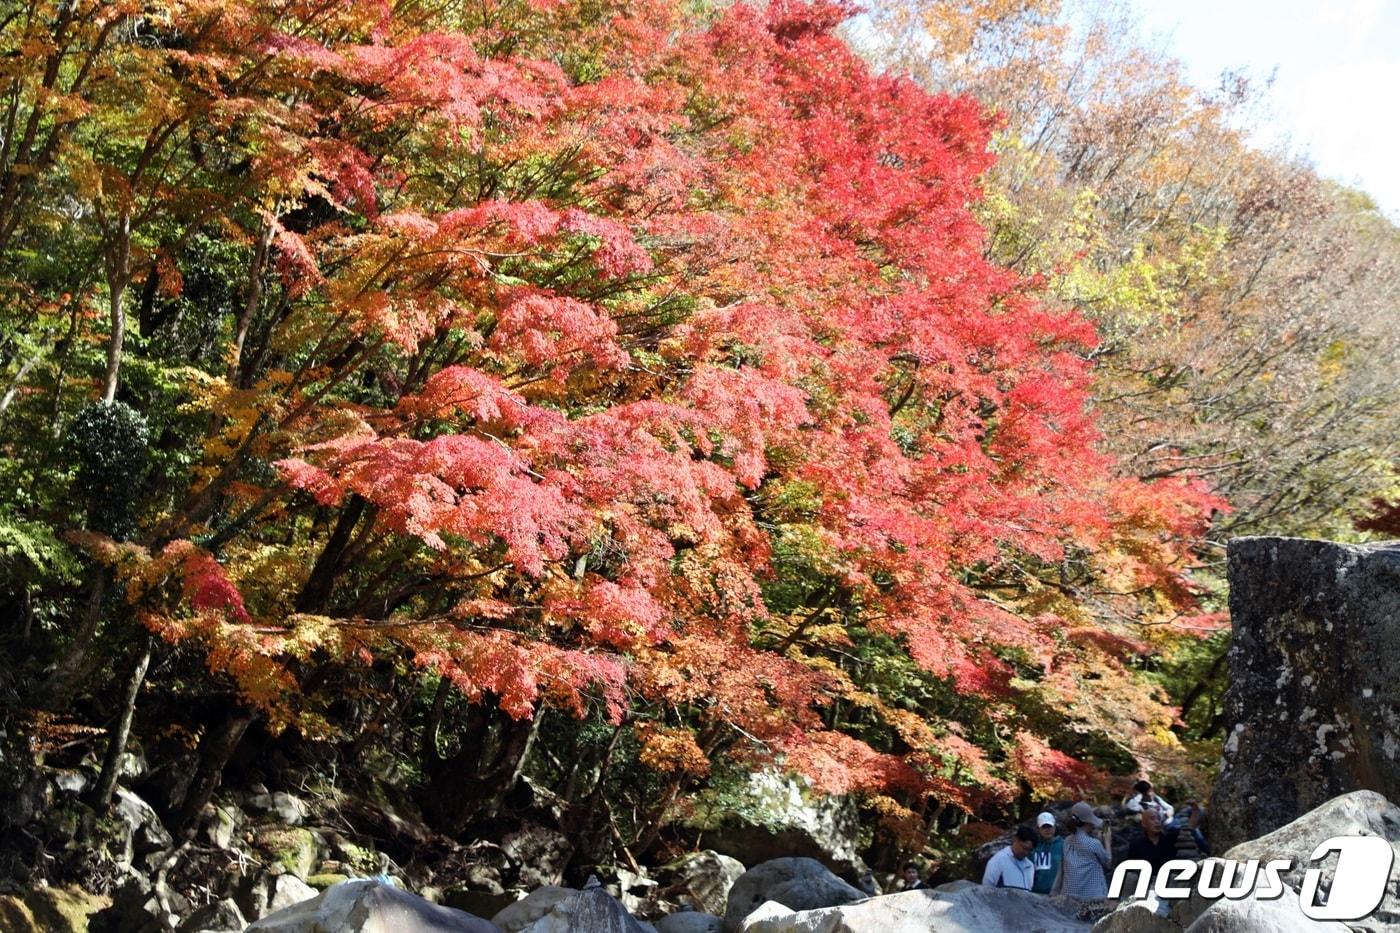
{"type": "Point", "coordinates": [626, 357]}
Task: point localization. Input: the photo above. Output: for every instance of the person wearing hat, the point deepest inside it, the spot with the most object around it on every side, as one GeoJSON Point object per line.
{"type": "Point", "coordinates": [1047, 854]}
{"type": "Point", "coordinates": [1084, 871]}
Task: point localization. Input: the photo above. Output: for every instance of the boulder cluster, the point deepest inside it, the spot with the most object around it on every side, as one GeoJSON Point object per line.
{"type": "Point", "coordinates": [706, 892]}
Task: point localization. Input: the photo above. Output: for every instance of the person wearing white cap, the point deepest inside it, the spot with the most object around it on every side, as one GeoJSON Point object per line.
{"type": "Point", "coordinates": [1084, 872]}
{"type": "Point", "coordinates": [1047, 854]}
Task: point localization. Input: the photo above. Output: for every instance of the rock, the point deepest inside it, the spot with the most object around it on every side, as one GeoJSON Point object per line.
{"type": "Point", "coordinates": [390, 818]}
{"type": "Point", "coordinates": [64, 822]}
{"type": "Point", "coordinates": [538, 854]}
{"type": "Point", "coordinates": [359, 858]}
{"type": "Point", "coordinates": [592, 910]}
{"type": "Point", "coordinates": [1361, 813]}
{"type": "Point", "coordinates": [288, 809]}
{"type": "Point", "coordinates": [768, 910]}
{"type": "Point", "coordinates": [701, 880]}
{"type": "Point", "coordinates": [264, 893]}
{"type": "Point", "coordinates": [1186, 911]}
{"type": "Point", "coordinates": [132, 767]}
{"type": "Point", "coordinates": [136, 907]}
{"type": "Point", "coordinates": [778, 815]}
{"type": "Point", "coordinates": [483, 903]}
{"type": "Point", "coordinates": [1137, 917]}
{"type": "Point", "coordinates": [952, 887]}
{"type": "Point", "coordinates": [364, 906]}
{"type": "Point", "coordinates": [144, 830]}
{"type": "Point", "coordinates": [72, 782]}
{"type": "Point", "coordinates": [975, 909]}
{"type": "Point", "coordinates": [49, 910]}
{"type": "Point", "coordinates": [285, 808]}
{"type": "Point", "coordinates": [292, 849]}
{"type": "Point", "coordinates": [219, 823]}
{"type": "Point", "coordinates": [485, 868]}
{"type": "Point", "coordinates": [531, 907]}
{"type": "Point", "coordinates": [690, 921]}
{"type": "Point", "coordinates": [286, 890]}
{"type": "Point", "coordinates": [1251, 915]}
{"type": "Point", "coordinates": [218, 917]}
{"type": "Point", "coordinates": [796, 883]}
{"type": "Point", "coordinates": [633, 889]}
{"type": "Point", "coordinates": [1310, 712]}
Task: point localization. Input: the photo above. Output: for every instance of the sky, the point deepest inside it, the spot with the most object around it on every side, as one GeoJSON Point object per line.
{"type": "Point", "coordinates": [1336, 68]}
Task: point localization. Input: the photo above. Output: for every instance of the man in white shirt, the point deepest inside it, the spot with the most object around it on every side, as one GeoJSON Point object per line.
{"type": "Point", "coordinates": [1011, 867]}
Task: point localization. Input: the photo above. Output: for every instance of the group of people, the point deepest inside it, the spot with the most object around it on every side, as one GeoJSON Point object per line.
{"type": "Point", "coordinates": [1042, 861]}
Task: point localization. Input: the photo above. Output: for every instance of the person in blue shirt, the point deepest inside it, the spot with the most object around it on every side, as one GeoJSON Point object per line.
{"type": "Point", "coordinates": [1049, 851]}
{"type": "Point", "coordinates": [1011, 867]}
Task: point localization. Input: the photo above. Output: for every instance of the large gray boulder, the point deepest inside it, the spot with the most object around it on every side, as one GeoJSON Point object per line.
{"type": "Point", "coordinates": [366, 906]}
{"type": "Point", "coordinates": [1251, 915]}
{"type": "Point", "coordinates": [1361, 813]}
{"type": "Point", "coordinates": [531, 907]}
{"type": "Point", "coordinates": [1145, 916]}
{"type": "Point", "coordinates": [690, 921]}
{"type": "Point", "coordinates": [592, 910]}
{"type": "Point", "coordinates": [796, 883]}
{"type": "Point", "coordinates": [776, 815]}
{"type": "Point", "coordinates": [218, 917]}
{"type": "Point", "coordinates": [1311, 709]}
{"type": "Point", "coordinates": [974, 909]}
{"type": "Point", "coordinates": [142, 831]}
{"type": "Point", "coordinates": [701, 880]}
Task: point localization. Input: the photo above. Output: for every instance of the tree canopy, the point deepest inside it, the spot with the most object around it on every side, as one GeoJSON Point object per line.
{"type": "Point", "coordinates": [659, 365]}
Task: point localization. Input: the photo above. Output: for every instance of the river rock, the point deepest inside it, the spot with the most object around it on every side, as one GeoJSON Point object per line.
{"type": "Point", "coordinates": [538, 854]}
{"type": "Point", "coordinates": [1360, 813]}
{"type": "Point", "coordinates": [690, 921]}
{"type": "Point", "coordinates": [366, 906]}
{"type": "Point", "coordinates": [219, 823]}
{"type": "Point", "coordinates": [1311, 709]}
{"type": "Point", "coordinates": [262, 893]}
{"type": "Point", "coordinates": [1251, 915]}
{"type": "Point", "coordinates": [592, 910]}
{"type": "Point", "coordinates": [701, 880]}
{"type": "Point", "coordinates": [218, 917]}
{"type": "Point", "coordinates": [975, 909]}
{"type": "Point", "coordinates": [144, 832]}
{"type": "Point", "coordinates": [776, 815]}
{"type": "Point", "coordinates": [796, 883]}
{"type": "Point", "coordinates": [531, 907]}
{"type": "Point", "coordinates": [49, 910]}
{"type": "Point", "coordinates": [1142, 916]}
{"type": "Point", "coordinates": [289, 848]}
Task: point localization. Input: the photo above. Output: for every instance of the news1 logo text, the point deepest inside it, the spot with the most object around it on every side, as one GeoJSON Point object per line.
{"type": "Point", "coordinates": [1358, 882]}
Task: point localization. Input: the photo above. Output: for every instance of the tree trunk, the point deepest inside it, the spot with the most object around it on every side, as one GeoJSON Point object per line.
{"type": "Point", "coordinates": [117, 277]}
{"type": "Point", "coordinates": [116, 744]}
{"type": "Point", "coordinates": [67, 676]}
{"type": "Point", "coordinates": [317, 591]}
{"type": "Point", "coordinates": [428, 749]}
{"type": "Point", "coordinates": [215, 750]}
{"type": "Point", "coordinates": [251, 300]}
{"type": "Point", "coordinates": [18, 381]}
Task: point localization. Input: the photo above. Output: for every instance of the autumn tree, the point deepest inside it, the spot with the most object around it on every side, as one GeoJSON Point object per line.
{"type": "Point", "coordinates": [622, 363]}
{"type": "Point", "coordinates": [1245, 306]}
